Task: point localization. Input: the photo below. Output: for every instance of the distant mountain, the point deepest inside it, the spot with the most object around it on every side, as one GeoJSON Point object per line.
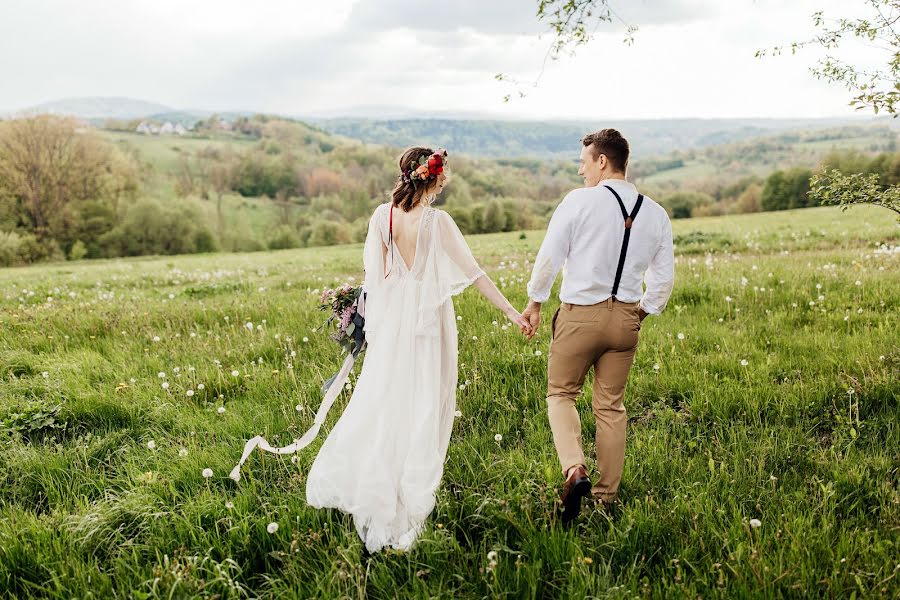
{"type": "Point", "coordinates": [99, 108]}
{"type": "Point", "coordinates": [559, 139]}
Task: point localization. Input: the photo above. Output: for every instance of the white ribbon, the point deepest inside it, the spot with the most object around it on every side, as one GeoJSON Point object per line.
{"type": "Point", "coordinates": [330, 396]}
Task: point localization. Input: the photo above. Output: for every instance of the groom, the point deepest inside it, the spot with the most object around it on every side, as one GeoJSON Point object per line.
{"type": "Point", "coordinates": [611, 239]}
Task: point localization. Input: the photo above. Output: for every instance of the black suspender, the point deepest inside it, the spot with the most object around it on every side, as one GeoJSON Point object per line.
{"type": "Point", "coordinates": [629, 221]}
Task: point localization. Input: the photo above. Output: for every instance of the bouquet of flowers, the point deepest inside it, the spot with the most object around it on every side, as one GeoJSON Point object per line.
{"type": "Point", "coordinates": [343, 303]}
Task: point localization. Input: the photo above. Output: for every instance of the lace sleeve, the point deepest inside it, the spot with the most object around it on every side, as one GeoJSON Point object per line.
{"type": "Point", "coordinates": [451, 269]}
{"type": "Point", "coordinates": [374, 250]}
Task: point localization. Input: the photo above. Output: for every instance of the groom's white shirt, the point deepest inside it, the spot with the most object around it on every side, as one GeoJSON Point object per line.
{"type": "Point", "coordinates": [585, 234]}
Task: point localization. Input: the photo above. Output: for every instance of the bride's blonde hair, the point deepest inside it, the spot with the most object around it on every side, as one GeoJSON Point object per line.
{"type": "Point", "coordinates": [407, 194]}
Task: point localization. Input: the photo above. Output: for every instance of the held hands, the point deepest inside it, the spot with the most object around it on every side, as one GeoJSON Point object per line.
{"type": "Point", "coordinates": [533, 314]}
{"type": "Point", "coordinates": [523, 324]}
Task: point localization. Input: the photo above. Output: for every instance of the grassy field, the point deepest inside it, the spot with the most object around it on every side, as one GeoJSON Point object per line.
{"type": "Point", "coordinates": [769, 390]}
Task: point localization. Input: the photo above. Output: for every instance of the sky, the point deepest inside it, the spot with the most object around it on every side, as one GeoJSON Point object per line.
{"type": "Point", "coordinates": [690, 58]}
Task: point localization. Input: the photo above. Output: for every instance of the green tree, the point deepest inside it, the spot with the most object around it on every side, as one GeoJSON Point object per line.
{"type": "Point", "coordinates": [494, 217]}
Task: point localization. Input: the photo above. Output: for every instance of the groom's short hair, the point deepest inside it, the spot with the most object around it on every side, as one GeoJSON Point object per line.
{"type": "Point", "coordinates": [611, 143]}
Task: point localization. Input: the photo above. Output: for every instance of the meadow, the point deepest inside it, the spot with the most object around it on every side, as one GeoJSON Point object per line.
{"type": "Point", "coordinates": [763, 454]}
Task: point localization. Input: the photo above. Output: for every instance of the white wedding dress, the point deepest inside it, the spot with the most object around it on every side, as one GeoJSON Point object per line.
{"type": "Point", "coordinates": [383, 461]}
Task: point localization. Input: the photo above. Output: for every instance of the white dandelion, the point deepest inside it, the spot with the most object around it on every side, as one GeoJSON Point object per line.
{"type": "Point", "coordinates": [161, 375]}
{"type": "Point", "coordinates": [151, 444]}
{"type": "Point", "coordinates": [189, 393]}
{"type": "Point", "coordinates": [744, 362]}
{"type": "Point", "coordinates": [457, 414]}
{"type": "Point", "coordinates": [183, 452]}
{"type": "Point", "coordinates": [498, 438]}
{"type": "Point", "coordinates": [221, 410]}
{"type": "Point", "coordinates": [755, 523]}
{"type": "Point", "coordinates": [235, 373]}
{"type": "Point", "coordinates": [680, 336]}
{"type": "Point", "coordinates": [207, 473]}
{"type": "Point", "coordinates": [165, 385]}
{"type": "Point", "coordinates": [272, 527]}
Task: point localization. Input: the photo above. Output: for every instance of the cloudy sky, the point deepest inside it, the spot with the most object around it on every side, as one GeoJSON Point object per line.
{"type": "Point", "coordinates": [691, 58]}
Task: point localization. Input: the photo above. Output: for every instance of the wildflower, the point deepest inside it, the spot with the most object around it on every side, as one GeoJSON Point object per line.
{"type": "Point", "coordinates": [459, 318]}
{"type": "Point", "coordinates": [151, 444]}
{"type": "Point", "coordinates": [728, 298]}
{"type": "Point", "coordinates": [45, 375]}
{"type": "Point", "coordinates": [200, 386]}
{"type": "Point", "coordinates": [182, 452]}
{"type": "Point", "coordinates": [305, 339]}
{"type": "Point", "coordinates": [165, 385]}
{"type": "Point", "coordinates": [221, 410]}
{"type": "Point", "coordinates": [189, 393]}
{"type": "Point", "coordinates": [272, 527]}
{"type": "Point", "coordinates": [155, 338]}
{"type": "Point", "coordinates": [680, 336]}
{"type": "Point", "coordinates": [161, 375]}
{"type": "Point", "coordinates": [229, 505]}
{"type": "Point", "coordinates": [235, 373]}
{"type": "Point", "coordinates": [298, 408]}
{"type": "Point", "coordinates": [538, 353]}
{"type": "Point", "coordinates": [744, 362]}
{"type": "Point", "coordinates": [492, 555]}
{"type": "Point", "coordinates": [498, 438]}
{"type": "Point", "coordinates": [457, 414]}
{"type": "Point", "coordinates": [755, 523]}
{"type": "Point", "coordinates": [207, 473]}
{"type": "Point", "coordinates": [474, 338]}
{"type": "Point", "coordinates": [858, 282]}
{"type": "Point", "coordinates": [656, 367]}
{"type": "Point", "coordinates": [249, 325]}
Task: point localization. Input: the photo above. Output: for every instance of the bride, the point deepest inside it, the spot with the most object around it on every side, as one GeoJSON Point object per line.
{"type": "Point", "coordinates": [384, 459]}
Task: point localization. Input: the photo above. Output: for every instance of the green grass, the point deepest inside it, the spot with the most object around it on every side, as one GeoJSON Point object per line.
{"type": "Point", "coordinates": [88, 510]}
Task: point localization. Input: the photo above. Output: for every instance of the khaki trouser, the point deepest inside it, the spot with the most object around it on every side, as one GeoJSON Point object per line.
{"type": "Point", "coordinates": [605, 336]}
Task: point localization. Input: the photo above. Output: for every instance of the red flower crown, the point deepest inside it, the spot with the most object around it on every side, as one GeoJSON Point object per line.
{"type": "Point", "coordinates": [426, 168]}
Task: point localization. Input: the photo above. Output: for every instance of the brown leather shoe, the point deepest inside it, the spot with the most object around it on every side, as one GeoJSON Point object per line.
{"type": "Point", "coordinates": [577, 486]}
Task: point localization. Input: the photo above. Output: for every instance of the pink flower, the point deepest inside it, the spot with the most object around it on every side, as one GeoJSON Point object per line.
{"type": "Point", "coordinates": [346, 315]}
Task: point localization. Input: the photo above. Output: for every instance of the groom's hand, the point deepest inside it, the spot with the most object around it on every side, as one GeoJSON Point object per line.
{"type": "Point", "coordinates": [533, 313]}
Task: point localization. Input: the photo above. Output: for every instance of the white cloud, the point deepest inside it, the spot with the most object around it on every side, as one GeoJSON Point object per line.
{"type": "Point", "coordinates": [690, 57]}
